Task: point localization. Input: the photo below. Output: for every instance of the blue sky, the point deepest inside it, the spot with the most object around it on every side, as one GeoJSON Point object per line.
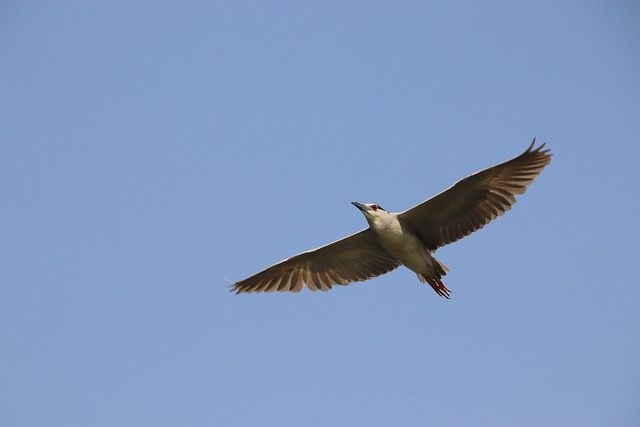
{"type": "Point", "coordinates": [153, 152]}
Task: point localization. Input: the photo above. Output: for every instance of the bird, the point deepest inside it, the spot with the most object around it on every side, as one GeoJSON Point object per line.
{"type": "Point", "coordinates": [406, 238]}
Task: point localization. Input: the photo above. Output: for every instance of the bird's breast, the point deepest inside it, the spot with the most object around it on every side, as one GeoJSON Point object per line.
{"type": "Point", "coordinates": [404, 246]}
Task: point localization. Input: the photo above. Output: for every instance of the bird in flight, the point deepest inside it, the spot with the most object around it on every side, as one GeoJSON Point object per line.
{"type": "Point", "coordinates": [406, 238]}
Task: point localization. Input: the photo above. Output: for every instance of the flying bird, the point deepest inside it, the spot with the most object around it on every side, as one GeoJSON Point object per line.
{"type": "Point", "coordinates": [406, 238]}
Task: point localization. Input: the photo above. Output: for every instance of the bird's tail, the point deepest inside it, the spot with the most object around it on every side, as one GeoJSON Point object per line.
{"type": "Point", "coordinates": [434, 277]}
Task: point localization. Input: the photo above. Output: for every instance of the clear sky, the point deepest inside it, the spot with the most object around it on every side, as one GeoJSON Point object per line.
{"type": "Point", "coordinates": [153, 152]}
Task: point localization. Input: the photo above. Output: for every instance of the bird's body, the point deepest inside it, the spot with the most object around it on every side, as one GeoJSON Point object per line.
{"type": "Point", "coordinates": [406, 238]}
{"type": "Point", "coordinates": [404, 245]}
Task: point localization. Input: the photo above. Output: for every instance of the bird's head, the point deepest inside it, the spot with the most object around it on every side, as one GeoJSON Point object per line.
{"type": "Point", "coordinates": [371, 211]}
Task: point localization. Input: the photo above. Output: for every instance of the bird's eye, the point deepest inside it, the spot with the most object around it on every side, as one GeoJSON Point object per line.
{"type": "Point", "coordinates": [374, 207]}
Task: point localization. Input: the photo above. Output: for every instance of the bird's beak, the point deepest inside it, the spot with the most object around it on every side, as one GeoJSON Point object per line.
{"type": "Point", "coordinates": [360, 206]}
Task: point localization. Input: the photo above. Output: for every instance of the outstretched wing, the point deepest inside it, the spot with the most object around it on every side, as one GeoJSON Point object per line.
{"type": "Point", "coordinates": [473, 202]}
{"type": "Point", "coordinates": [352, 259]}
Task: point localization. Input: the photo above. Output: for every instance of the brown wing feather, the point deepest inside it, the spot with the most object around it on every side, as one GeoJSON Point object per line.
{"type": "Point", "coordinates": [474, 201]}
{"type": "Point", "coordinates": [355, 258]}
